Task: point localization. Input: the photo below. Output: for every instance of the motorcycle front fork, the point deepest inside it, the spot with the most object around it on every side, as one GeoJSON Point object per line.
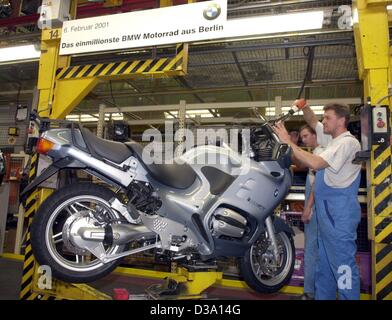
{"type": "Point", "coordinates": [271, 235]}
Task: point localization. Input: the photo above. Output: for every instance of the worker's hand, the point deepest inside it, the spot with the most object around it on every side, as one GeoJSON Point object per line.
{"type": "Point", "coordinates": [281, 132]}
{"type": "Point", "coordinates": [307, 215]}
{"type": "Point", "coordinates": [300, 103]}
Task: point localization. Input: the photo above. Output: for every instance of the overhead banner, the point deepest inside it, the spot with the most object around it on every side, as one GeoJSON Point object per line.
{"type": "Point", "coordinates": [177, 24]}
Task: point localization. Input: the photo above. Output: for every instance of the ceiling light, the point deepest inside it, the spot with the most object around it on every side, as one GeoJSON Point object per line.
{"type": "Point", "coordinates": [93, 117]}
{"type": "Point", "coordinates": [27, 52]}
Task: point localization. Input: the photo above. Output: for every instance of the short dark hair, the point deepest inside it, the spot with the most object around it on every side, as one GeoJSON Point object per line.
{"type": "Point", "coordinates": [341, 110]}
{"type": "Point", "coordinates": [307, 127]}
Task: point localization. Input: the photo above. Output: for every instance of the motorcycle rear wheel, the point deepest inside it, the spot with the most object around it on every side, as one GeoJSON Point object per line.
{"type": "Point", "coordinates": [256, 264]}
{"type": "Point", "coordinates": [47, 238]}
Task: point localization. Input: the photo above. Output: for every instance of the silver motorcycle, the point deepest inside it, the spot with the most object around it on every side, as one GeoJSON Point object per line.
{"type": "Point", "coordinates": [187, 211]}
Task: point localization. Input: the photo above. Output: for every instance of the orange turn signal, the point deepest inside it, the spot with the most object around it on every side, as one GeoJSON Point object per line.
{"type": "Point", "coordinates": [44, 146]}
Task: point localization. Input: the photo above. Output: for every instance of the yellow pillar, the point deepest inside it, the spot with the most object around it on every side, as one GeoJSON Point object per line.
{"type": "Point", "coordinates": [372, 45]}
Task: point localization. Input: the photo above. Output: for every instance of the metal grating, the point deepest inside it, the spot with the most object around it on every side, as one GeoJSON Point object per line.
{"type": "Point", "coordinates": [210, 58]}
{"type": "Point", "coordinates": [335, 69]}
{"type": "Point", "coordinates": [214, 76]}
{"type": "Point", "coordinates": [333, 51]}
{"type": "Point", "coordinates": [270, 54]}
{"type": "Point", "coordinates": [275, 71]}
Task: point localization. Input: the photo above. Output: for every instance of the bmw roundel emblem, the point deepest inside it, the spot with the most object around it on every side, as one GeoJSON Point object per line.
{"type": "Point", "coordinates": [276, 193]}
{"type": "Point", "coordinates": [212, 11]}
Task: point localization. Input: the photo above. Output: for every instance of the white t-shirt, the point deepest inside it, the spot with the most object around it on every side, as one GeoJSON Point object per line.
{"type": "Point", "coordinates": [322, 138]}
{"type": "Point", "coordinates": [339, 154]}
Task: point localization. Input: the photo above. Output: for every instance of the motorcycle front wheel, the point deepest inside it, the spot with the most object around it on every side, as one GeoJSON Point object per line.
{"type": "Point", "coordinates": [67, 263]}
{"type": "Point", "coordinates": [259, 269]}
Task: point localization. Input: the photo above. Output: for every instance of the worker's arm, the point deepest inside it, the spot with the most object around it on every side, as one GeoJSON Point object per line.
{"type": "Point", "coordinates": [308, 159]}
{"type": "Point", "coordinates": [310, 117]}
{"type": "Point", "coordinates": [299, 166]}
{"type": "Point", "coordinates": [311, 199]}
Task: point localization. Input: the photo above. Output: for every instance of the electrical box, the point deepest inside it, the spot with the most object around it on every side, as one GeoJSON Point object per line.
{"type": "Point", "coordinates": [375, 127]}
{"type": "Point", "coordinates": [53, 13]}
{"type": "Point", "coordinates": [375, 130]}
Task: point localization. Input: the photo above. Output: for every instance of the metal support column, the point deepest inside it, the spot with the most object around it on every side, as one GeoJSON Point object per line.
{"type": "Point", "coordinates": [278, 105]}
{"type": "Point", "coordinates": [101, 120]}
{"type": "Point", "coordinates": [181, 127]}
{"type": "Point", "coordinates": [19, 230]}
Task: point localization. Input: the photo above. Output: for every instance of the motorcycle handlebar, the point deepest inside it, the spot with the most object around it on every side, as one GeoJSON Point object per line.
{"type": "Point", "coordinates": [284, 117]}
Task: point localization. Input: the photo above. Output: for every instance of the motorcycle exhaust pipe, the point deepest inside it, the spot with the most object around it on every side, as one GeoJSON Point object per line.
{"type": "Point", "coordinates": [118, 234]}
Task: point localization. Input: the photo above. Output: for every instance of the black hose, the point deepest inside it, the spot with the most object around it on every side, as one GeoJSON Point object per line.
{"type": "Point", "coordinates": [308, 76]}
{"type": "Point", "coordinates": [309, 69]}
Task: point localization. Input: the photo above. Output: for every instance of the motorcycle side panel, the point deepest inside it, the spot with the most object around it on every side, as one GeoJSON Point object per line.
{"type": "Point", "coordinates": [255, 192]}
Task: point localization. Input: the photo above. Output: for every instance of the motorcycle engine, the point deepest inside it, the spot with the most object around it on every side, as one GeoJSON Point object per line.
{"type": "Point", "coordinates": [261, 145]}
{"type": "Point", "coordinates": [227, 222]}
{"type": "Point", "coordinates": [142, 197]}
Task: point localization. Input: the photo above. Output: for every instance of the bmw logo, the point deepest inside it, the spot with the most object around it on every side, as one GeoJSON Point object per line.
{"type": "Point", "coordinates": [276, 193]}
{"type": "Point", "coordinates": [212, 11]}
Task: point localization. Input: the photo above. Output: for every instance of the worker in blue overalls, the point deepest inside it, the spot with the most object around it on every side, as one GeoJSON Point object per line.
{"type": "Point", "coordinates": [336, 199]}
{"type": "Point", "coordinates": [309, 139]}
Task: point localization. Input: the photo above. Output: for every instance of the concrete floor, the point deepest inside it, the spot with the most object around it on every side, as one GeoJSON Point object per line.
{"type": "Point", "coordinates": [10, 278]}
{"type": "Point", "coordinates": [11, 274]}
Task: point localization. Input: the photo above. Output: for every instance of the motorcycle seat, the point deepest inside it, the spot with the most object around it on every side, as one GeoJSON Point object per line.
{"type": "Point", "coordinates": [116, 152]}
{"type": "Point", "coordinates": [178, 176]}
